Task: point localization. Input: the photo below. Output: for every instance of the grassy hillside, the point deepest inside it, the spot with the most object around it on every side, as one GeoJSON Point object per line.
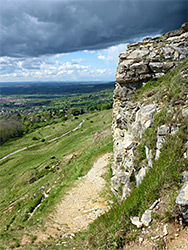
{"type": "Point", "coordinates": [114, 229]}
{"type": "Point", "coordinates": [49, 167]}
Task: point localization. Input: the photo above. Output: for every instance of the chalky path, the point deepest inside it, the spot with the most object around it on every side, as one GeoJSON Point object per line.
{"type": "Point", "coordinates": [82, 205]}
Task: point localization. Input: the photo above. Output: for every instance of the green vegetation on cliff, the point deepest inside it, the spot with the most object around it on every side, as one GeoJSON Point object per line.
{"type": "Point", "coordinates": [114, 229]}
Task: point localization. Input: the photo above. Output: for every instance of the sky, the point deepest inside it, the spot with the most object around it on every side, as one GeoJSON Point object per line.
{"type": "Point", "coordinates": [77, 40]}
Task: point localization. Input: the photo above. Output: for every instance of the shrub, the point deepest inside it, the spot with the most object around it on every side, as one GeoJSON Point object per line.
{"type": "Point", "coordinates": [34, 138]}
{"type": "Point", "coordinates": [64, 118]}
{"type": "Point", "coordinates": [9, 129]}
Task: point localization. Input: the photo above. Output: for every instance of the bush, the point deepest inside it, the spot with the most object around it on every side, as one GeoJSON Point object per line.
{"type": "Point", "coordinates": [64, 118]}
{"type": "Point", "coordinates": [10, 129]}
{"type": "Point", "coordinates": [34, 138]}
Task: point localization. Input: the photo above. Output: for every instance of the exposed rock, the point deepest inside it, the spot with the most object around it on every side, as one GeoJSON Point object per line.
{"type": "Point", "coordinates": [185, 175]}
{"type": "Point", "coordinates": [162, 132]}
{"type": "Point", "coordinates": [140, 176]}
{"type": "Point", "coordinates": [185, 26]}
{"type": "Point", "coordinates": [182, 200]}
{"type": "Point", "coordinates": [128, 143]}
{"type": "Point", "coordinates": [141, 62]}
{"type": "Point", "coordinates": [186, 150]}
{"type": "Point", "coordinates": [136, 221]}
{"type": "Point", "coordinates": [165, 232]}
{"type": "Point", "coordinates": [149, 156]}
{"type": "Point", "coordinates": [42, 188]}
{"type": "Point", "coordinates": [146, 218]}
{"type": "Point", "coordinates": [154, 204]}
{"type": "Point", "coordinates": [144, 116]}
{"type": "Point", "coordinates": [140, 68]}
{"type": "Point", "coordinates": [156, 66]}
{"type": "Point", "coordinates": [155, 237]}
{"type": "Point", "coordinates": [140, 239]}
{"type": "Point", "coordinates": [185, 112]}
{"type": "Point", "coordinates": [173, 130]}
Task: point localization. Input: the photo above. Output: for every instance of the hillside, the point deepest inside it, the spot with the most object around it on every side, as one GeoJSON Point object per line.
{"type": "Point", "coordinates": [162, 182]}
{"type": "Point", "coordinates": [149, 169]}
{"type": "Point", "coordinates": [43, 173]}
{"type": "Point", "coordinates": [150, 136]}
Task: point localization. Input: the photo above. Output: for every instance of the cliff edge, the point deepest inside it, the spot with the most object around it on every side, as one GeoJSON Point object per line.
{"type": "Point", "coordinates": [141, 62]}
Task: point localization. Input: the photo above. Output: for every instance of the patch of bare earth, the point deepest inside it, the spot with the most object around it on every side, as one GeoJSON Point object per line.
{"type": "Point", "coordinates": [171, 235]}
{"type": "Point", "coordinates": [154, 239]}
{"type": "Point", "coordinates": [82, 205]}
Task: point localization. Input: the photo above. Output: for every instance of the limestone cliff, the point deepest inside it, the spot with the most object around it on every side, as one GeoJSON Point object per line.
{"type": "Point", "coordinates": [143, 61]}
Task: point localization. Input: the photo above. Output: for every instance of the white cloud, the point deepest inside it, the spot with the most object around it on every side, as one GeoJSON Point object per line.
{"type": "Point", "coordinates": [100, 57]}
{"type": "Point", "coordinates": [89, 51]}
{"type": "Point", "coordinates": [60, 55]}
{"type": "Point", "coordinates": [51, 68]}
{"type": "Point", "coordinates": [78, 60]}
{"type": "Point", "coordinates": [111, 53]}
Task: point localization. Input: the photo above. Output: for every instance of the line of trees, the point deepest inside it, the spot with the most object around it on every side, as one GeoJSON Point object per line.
{"type": "Point", "coordinates": [100, 107]}
{"type": "Point", "coordinates": [9, 129]}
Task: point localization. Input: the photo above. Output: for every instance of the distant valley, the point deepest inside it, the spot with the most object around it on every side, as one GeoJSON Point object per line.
{"type": "Point", "coordinates": [28, 106]}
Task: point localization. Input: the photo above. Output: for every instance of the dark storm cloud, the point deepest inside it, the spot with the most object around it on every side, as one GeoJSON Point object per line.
{"type": "Point", "coordinates": [34, 28]}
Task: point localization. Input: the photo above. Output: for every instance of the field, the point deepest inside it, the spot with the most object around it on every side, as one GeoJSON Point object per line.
{"type": "Point", "coordinates": [51, 96]}
{"type": "Point", "coordinates": [30, 106]}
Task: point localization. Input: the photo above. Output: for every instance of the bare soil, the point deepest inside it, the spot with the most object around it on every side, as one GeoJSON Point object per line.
{"type": "Point", "coordinates": [169, 235]}
{"type": "Point", "coordinates": [82, 205]}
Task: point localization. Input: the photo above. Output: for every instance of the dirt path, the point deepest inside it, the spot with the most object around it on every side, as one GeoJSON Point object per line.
{"type": "Point", "coordinates": [19, 150]}
{"type": "Point", "coordinates": [81, 205]}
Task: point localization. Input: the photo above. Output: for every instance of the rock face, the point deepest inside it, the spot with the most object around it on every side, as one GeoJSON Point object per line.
{"type": "Point", "coordinates": [152, 58]}
{"type": "Point", "coordinates": [182, 201]}
{"type": "Point", "coordinates": [142, 61]}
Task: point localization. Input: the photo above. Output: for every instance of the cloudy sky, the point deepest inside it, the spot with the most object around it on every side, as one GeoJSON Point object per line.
{"type": "Point", "coordinates": [77, 40]}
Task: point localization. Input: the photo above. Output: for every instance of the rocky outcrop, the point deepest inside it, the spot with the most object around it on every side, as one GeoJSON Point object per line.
{"type": "Point", "coordinates": [142, 61]}
{"type": "Point", "coordinates": [152, 58]}
{"type": "Point", "coordinates": [182, 201]}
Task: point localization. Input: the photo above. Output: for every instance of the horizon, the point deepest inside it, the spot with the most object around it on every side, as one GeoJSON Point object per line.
{"type": "Point", "coordinates": [35, 82]}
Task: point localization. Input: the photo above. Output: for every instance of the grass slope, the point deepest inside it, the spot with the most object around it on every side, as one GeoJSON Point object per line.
{"type": "Point", "coordinates": [18, 198]}
{"type": "Point", "coordinates": [114, 229]}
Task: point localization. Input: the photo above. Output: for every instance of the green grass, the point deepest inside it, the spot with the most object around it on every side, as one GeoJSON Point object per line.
{"type": "Point", "coordinates": [36, 162]}
{"type": "Point", "coordinates": [47, 133]}
{"type": "Point", "coordinates": [166, 89]}
{"type": "Point", "coordinates": [113, 229]}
